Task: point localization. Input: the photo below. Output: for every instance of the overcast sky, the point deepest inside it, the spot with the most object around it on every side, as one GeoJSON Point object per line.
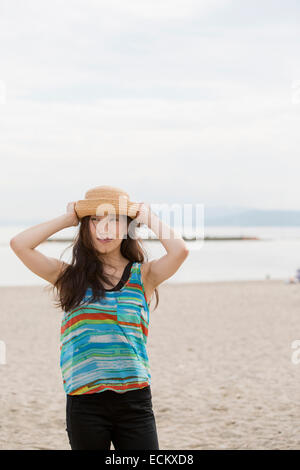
{"type": "Point", "coordinates": [191, 101]}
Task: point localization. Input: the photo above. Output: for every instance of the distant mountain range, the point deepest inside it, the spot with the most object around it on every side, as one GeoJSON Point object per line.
{"type": "Point", "coordinates": [216, 216]}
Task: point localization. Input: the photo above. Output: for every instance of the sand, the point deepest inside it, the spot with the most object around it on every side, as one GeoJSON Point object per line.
{"type": "Point", "coordinates": [220, 356]}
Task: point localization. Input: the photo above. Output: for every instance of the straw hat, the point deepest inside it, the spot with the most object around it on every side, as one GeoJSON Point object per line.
{"type": "Point", "coordinates": [106, 199]}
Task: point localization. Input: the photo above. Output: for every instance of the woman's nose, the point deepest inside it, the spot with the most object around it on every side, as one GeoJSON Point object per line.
{"type": "Point", "coordinates": [107, 228]}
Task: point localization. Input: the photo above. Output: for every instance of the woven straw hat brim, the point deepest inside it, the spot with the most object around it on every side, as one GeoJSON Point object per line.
{"type": "Point", "coordinates": [104, 206]}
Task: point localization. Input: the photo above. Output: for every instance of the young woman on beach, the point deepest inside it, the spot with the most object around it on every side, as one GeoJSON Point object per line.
{"type": "Point", "coordinates": [105, 296]}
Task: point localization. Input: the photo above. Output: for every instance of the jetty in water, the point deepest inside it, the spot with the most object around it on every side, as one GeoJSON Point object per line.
{"type": "Point", "coordinates": [188, 239]}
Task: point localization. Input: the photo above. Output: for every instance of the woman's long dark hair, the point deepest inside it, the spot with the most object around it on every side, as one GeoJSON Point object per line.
{"type": "Point", "coordinates": [86, 268]}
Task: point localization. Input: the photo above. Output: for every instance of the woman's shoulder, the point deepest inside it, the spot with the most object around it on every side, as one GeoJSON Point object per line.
{"type": "Point", "coordinates": [145, 266]}
{"type": "Point", "coordinates": [142, 270]}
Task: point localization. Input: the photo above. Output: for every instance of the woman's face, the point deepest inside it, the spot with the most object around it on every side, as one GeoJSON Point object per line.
{"type": "Point", "coordinates": [108, 231]}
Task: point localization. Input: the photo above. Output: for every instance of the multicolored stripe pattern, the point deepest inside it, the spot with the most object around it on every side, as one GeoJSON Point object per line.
{"type": "Point", "coordinates": [103, 344]}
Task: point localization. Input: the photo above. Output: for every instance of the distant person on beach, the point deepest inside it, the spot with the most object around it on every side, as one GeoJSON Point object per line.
{"type": "Point", "coordinates": [295, 279]}
{"type": "Point", "coordinates": [105, 294]}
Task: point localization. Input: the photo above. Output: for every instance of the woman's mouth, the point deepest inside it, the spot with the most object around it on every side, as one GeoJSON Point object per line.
{"type": "Point", "coordinates": [104, 240]}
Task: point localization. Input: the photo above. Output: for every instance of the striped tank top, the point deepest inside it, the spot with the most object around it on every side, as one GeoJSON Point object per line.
{"type": "Point", "coordinates": [103, 343]}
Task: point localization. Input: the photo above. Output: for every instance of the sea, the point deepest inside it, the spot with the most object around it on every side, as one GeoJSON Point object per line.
{"type": "Point", "coordinates": [275, 255]}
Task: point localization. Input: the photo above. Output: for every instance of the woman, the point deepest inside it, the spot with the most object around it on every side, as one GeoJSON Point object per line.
{"type": "Point", "coordinates": [104, 294]}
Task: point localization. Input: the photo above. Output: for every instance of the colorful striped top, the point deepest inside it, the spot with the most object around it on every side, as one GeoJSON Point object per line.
{"type": "Point", "coordinates": [103, 343]}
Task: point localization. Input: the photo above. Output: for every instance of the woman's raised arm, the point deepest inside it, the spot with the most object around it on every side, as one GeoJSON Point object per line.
{"type": "Point", "coordinates": [24, 243]}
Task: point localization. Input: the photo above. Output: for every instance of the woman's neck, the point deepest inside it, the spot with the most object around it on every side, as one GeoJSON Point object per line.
{"type": "Point", "coordinates": [114, 263]}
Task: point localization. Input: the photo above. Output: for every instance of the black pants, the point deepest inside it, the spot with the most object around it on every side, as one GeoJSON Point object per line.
{"type": "Point", "coordinates": [125, 419]}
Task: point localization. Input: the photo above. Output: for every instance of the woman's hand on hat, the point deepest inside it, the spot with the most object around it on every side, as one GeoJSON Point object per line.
{"type": "Point", "coordinates": [143, 214]}
{"type": "Point", "coordinates": [71, 213]}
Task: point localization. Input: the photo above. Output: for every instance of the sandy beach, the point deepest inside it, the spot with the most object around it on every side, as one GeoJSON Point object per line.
{"type": "Point", "coordinates": [220, 357]}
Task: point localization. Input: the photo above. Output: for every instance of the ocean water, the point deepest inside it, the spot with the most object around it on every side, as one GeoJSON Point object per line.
{"type": "Point", "coordinates": [275, 256]}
